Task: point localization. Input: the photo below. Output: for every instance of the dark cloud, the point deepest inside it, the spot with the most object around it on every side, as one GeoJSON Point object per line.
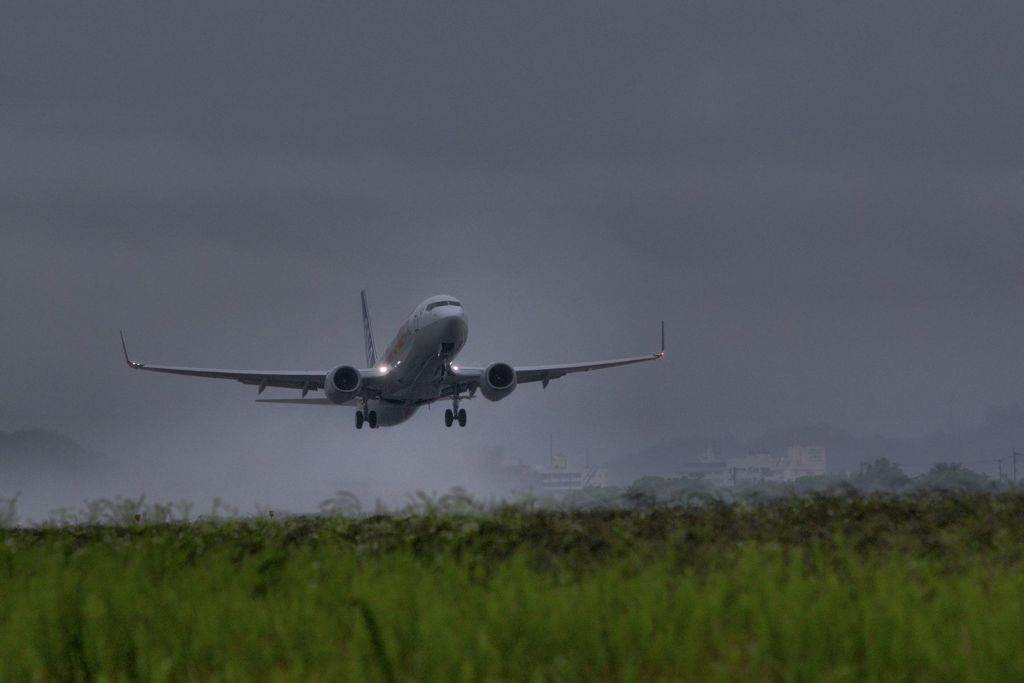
{"type": "Point", "coordinates": [824, 202]}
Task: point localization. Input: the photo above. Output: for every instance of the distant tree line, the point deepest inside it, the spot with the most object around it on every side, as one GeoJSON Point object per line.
{"type": "Point", "coordinates": [879, 476]}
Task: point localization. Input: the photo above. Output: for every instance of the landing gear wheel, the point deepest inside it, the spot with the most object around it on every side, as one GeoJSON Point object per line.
{"type": "Point", "coordinates": [449, 417]}
{"type": "Point", "coordinates": [372, 419]}
{"type": "Point", "coordinates": [462, 417]}
{"type": "Point", "coordinates": [359, 419]}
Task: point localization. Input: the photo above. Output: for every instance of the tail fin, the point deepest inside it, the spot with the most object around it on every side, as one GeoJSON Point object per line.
{"type": "Point", "coordinates": [371, 354]}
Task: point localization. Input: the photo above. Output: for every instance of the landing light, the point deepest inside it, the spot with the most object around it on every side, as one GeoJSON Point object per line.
{"type": "Point", "coordinates": [383, 369]}
{"type": "Point", "coordinates": [455, 368]}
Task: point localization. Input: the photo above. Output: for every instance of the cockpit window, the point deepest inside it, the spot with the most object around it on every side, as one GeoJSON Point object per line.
{"type": "Point", "coordinates": [434, 304]}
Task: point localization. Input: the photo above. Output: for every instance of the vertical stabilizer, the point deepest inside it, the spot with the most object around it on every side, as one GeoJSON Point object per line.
{"type": "Point", "coordinates": [371, 354]}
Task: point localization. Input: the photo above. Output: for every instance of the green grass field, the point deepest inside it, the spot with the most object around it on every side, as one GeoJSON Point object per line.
{"type": "Point", "coordinates": [840, 589]}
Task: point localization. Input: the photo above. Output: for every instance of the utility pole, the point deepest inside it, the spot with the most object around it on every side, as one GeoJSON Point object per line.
{"type": "Point", "coordinates": [1015, 456]}
{"type": "Point", "coordinates": [1000, 461]}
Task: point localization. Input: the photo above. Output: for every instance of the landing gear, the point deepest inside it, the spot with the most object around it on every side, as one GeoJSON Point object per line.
{"type": "Point", "coordinates": [455, 414]}
{"type": "Point", "coordinates": [369, 417]}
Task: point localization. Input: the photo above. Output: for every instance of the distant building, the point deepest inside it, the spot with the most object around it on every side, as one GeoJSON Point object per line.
{"type": "Point", "coordinates": [762, 466]}
{"type": "Point", "coordinates": [754, 467]}
{"type": "Point", "coordinates": [805, 461]}
{"type": "Point", "coordinates": [561, 476]}
{"type": "Point", "coordinates": [709, 466]}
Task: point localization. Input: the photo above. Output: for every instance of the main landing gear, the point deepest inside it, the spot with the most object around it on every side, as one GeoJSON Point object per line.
{"type": "Point", "coordinates": [369, 417]}
{"type": "Point", "coordinates": [450, 417]}
{"type": "Point", "coordinates": [455, 413]}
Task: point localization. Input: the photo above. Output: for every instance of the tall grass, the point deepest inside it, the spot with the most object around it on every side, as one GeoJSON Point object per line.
{"type": "Point", "coordinates": [924, 588]}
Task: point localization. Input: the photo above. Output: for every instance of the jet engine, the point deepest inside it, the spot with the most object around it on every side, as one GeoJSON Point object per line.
{"type": "Point", "coordinates": [498, 381]}
{"type": "Point", "coordinates": [342, 383]}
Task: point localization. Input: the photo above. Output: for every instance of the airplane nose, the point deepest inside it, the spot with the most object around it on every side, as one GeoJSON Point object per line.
{"type": "Point", "coordinates": [454, 323]}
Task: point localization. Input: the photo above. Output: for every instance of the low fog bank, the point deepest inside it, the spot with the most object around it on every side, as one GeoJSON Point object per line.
{"type": "Point", "coordinates": [319, 466]}
{"type": "Point", "coordinates": [51, 474]}
{"type": "Point", "coordinates": [45, 470]}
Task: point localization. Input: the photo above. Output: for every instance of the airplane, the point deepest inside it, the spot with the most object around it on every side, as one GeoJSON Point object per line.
{"type": "Point", "coordinates": [418, 368]}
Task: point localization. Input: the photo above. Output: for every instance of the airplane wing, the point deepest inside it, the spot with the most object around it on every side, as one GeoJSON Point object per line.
{"type": "Point", "coordinates": [470, 377]}
{"type": "Point", "coordinates": [546, 373]}
{"type": "Point", "coordinates": [304, 380]}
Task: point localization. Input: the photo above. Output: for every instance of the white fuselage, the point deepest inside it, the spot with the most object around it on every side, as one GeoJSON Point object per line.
{"type": "Point", "coordinates": [416, 360]}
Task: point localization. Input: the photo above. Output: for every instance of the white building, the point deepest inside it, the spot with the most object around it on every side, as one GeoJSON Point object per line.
{"type": "Point", "coordinates": [754, 467]}
{"type": "Point", "coordinates": [805, 461]}
{"type": "Point", "coordinates": [561, 476]}
{"type": "Point", "coordinates": [762, 466]}
{"type": "Point", "coordinates": [709, 466]}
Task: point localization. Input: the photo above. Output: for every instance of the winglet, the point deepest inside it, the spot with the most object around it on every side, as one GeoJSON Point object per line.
{"type": "Point", "coordinates": [124, 347]}
{"type": "Point", "coordinates": [661, 354]}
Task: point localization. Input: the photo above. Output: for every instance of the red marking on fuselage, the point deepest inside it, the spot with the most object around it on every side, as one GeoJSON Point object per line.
{"type": "Point", "coordinates": [397, 346]}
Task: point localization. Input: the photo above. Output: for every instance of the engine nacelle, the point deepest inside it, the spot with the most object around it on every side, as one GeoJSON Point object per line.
{"type": "Point", "coordinates": [342, 383]}
{"type": "Point", "coordinates": [498, 381]}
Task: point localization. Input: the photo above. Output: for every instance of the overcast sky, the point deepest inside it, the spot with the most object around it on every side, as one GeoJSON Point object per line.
{"type": "Point", "coordinates": [825, 203]}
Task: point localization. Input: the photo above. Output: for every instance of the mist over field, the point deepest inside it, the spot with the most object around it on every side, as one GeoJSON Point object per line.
{"type": "Point", "coordinates": [50, 472]}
